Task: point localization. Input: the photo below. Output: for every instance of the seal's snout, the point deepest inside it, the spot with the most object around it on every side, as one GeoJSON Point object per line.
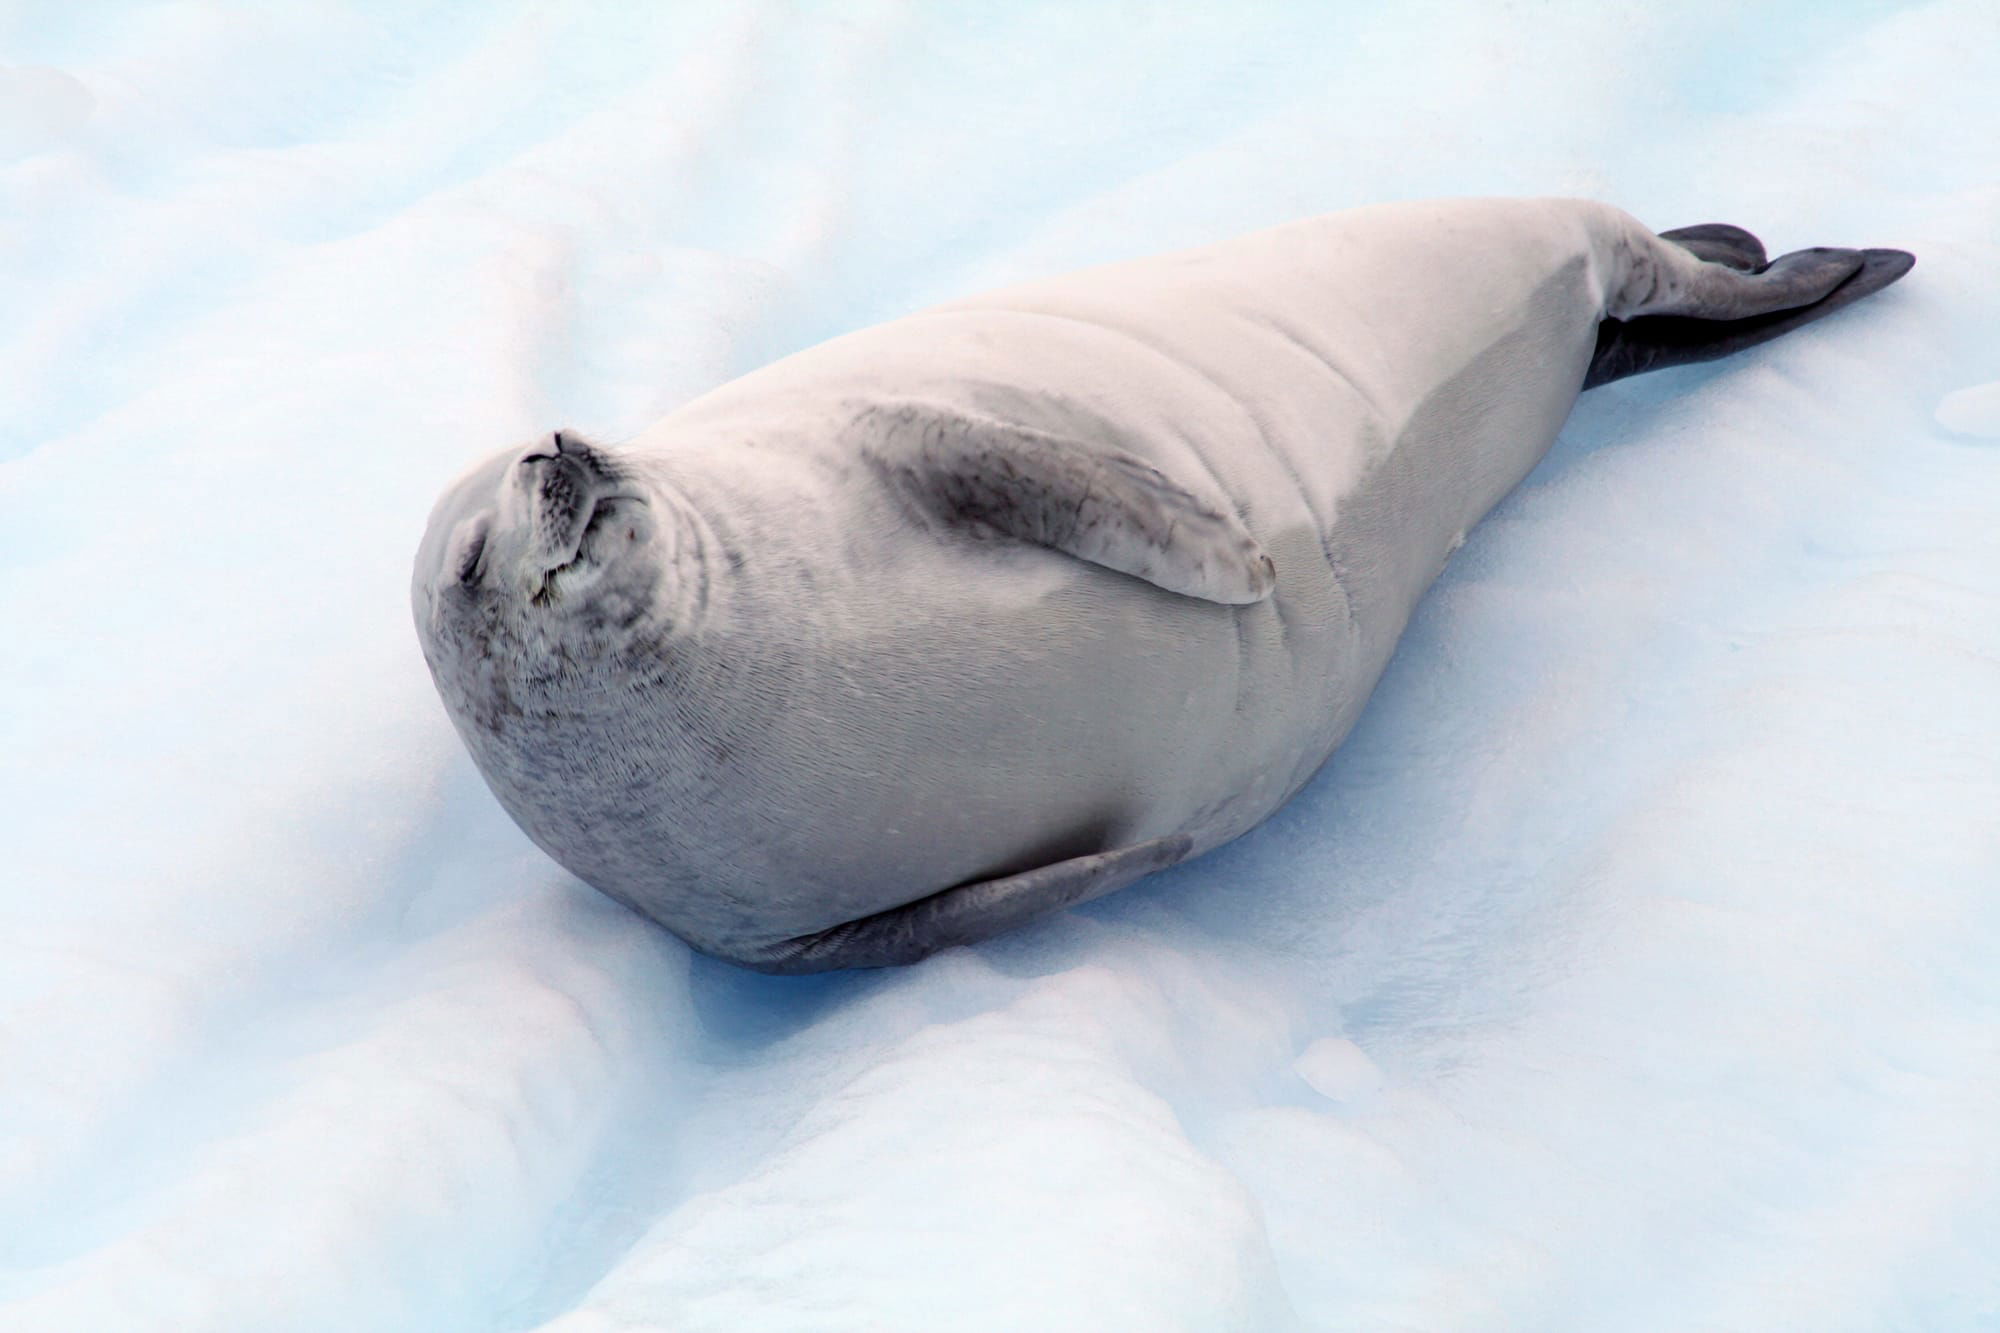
{"type": "Point", "coordinates": [564, 451]}
{"type": "Point", "coordinates": [561, 480]}
{"type": "Point", "coordinates": [576, 512]}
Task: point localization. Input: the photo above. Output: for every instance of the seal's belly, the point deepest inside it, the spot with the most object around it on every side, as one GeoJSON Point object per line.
{"type": "Point", "coordinates": [1024, 709]}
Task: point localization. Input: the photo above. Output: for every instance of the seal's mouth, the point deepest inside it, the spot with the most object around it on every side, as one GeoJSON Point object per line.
{"type": "Point", "coordinates": [605, 511]}
{"type": "Point", "coordinates": [573, 494]}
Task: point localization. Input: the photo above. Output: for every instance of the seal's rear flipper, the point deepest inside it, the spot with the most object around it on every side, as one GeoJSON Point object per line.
{"type": "Point", "coordinates": [1720, 243]}
{"type": "Point", "coordinates": [1655, 342]}
{"type": "Point", "coordinates": [1084, 498]}
{"type": "Point", "coordinates": [971, 912]}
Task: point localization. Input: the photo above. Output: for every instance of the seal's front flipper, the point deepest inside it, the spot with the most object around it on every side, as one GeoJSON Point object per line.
{"type": "Point", "coordinates": [971, 912]}
{"type": "Point", "coordinates": [1089, 500]}
{"type": "Point", "coordinates": [1654, 342]}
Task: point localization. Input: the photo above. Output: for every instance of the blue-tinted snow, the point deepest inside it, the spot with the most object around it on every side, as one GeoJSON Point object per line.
{"type": "Point", "coordinates": [1636, 966]}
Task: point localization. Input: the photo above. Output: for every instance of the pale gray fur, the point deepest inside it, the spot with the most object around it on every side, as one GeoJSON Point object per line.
{"type": "Point", "coordinates": [993, 609]}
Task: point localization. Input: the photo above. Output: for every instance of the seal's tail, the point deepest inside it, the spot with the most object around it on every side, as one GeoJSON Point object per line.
{"type": "Point", "coordinates": [1654, 342]}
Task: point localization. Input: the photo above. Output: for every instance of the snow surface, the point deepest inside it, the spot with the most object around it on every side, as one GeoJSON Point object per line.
{"type": "Point", "coordinates": [1635, 966]}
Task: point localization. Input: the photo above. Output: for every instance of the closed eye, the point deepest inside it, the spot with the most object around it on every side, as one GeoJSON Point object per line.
{"type": "Point", "coordinates": [468, 570]}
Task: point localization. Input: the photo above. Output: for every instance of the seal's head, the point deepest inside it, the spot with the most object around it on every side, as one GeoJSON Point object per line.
{"type": "Point", "coordinates": [539, 566]}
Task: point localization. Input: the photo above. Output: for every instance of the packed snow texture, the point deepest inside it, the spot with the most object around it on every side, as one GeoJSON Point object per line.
{"type": "Point", "coordinates": [1636, 965]}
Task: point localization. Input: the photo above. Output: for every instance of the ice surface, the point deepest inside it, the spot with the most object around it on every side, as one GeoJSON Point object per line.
{"type": "Point", "coordinates": [1973, 411]}
{"type": "Point", "coordinates": [1636, 966]}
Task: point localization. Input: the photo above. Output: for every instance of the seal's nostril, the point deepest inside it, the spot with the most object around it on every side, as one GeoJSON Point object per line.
{"type": "Point", "coordinates": [559, 445]}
